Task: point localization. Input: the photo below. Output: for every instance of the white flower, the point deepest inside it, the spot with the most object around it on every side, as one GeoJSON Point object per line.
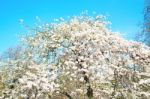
{"type": "Point", "coordinates": [29, 84]}
{"type": "Point", "coordinates": [44, 79]}
{"type": "Point", "coordinates": [79, 90]}
{"type": "Point", "coordinates": [31, 75]}
{"type": "Point", "coordinates": [81, 79]}
{"type": "Point", "coordinates": [74, 67]}
{"type": "Point", "coordinates": [143, 81]}
{"type": "Point", "coordinates": [21, 81]}
{"type": "Point", "coordinates": [85, 70]}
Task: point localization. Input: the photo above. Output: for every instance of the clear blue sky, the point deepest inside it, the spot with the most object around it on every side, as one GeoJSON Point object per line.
{"type": "Point", "coordinates": [124, 15]}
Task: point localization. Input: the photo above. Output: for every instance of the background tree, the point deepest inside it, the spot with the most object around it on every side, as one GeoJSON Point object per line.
{"type": "Point", "coordinates": [147, 22]}
{"type": "Point", "coordinates": [12, 53]}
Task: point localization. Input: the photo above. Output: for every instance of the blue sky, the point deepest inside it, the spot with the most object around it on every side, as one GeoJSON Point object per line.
{"type": "Point", "coordinates": [125, 15]}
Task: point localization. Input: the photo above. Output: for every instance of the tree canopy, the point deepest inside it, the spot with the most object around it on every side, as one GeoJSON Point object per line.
{"type": "Point", "coordinates": [80, 58]}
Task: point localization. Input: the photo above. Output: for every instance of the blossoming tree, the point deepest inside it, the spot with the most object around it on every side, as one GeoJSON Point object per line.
{"type": "Point", "coordinates": [78, 59]}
